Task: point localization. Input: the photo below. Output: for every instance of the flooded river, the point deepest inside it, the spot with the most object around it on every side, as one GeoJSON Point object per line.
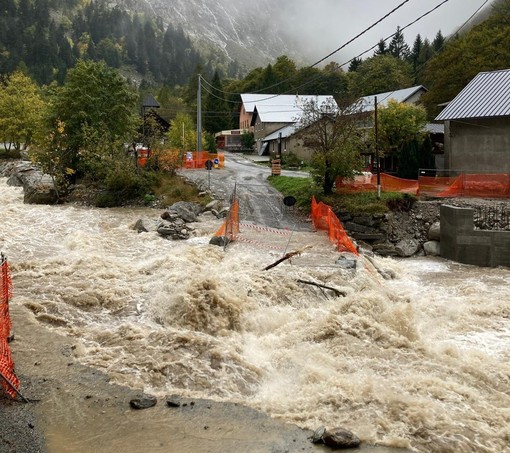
{"type": "Point", "coordinates": [421, 361]}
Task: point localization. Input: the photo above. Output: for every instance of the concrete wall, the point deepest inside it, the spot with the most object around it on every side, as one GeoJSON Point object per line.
{"type": "Point", "coordinates": [462, 243]}
{"type": "Point", "coordinates": [481, 145]}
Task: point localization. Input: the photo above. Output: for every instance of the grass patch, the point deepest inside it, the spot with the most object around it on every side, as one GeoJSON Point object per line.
{"type": "Point", "coordinates": [170, 189]}
{"type": "Point", "coordinates": [363, 202]}
{"type": "Point", "coordinates": [302, 189]}
{"type": "Point", "coordinates": [368, 203]}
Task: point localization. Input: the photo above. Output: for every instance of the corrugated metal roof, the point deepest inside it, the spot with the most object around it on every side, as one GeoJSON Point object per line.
{"type": "Point", "coordinates": [368, 102]}
{"type": "Point", "coordinates": [286, 108]}
{"type": "Point", "coordinates": [150, 102]}
{"type": "Point", "coordinates": [434, 128]}
{"type": "Point", "coordinates": [250, 99]}
{"type": "Point", "coordinates": [487, 95]}
{"type": "Point", "coordinates": [286, 131]}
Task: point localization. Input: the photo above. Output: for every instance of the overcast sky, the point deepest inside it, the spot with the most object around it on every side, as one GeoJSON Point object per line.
{"type": "Point", "coordinates": [324, 25]}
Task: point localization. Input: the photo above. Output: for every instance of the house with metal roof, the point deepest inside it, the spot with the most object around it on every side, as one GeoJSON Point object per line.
{"type": "Point", "coordinates": [408, 96]}
{"type": "Point", "coordinates": [477, 125]}
{"type": "Point", "coordinates": [249, 100]}
{"type": "Point", "coordinates": [275, 114]}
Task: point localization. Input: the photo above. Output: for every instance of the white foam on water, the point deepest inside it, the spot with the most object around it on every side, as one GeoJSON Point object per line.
{"type": "Point", "coordinates": [419, 361]}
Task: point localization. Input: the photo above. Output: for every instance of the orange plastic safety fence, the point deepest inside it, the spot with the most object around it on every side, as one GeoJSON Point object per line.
{"type": "Point", "coordinates": [368, 183]}
{"type": "Point", "coordinates": [323, 218]}
{"type": "Point", "coordinates": [7, 370]}
{"type": "Point", "coordinates": [5, 295]}
{"type": "Point", "coordinates": [230, 227]}
{"type": "Point", "coordinates": [197, 159]}
{"type": "Point", "coordinates": [479, 186]}
{"type": "Point", "coordinates": [6, 363]}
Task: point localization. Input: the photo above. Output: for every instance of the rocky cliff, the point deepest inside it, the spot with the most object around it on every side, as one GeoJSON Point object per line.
{"type": "Point", "coordinates": [242, 30]}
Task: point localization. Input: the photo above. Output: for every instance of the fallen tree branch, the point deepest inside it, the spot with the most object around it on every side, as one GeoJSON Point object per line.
{"type": "Point", "coordinates": [286, 257]}
{"type": "Point", "coordinates": [337, 292]}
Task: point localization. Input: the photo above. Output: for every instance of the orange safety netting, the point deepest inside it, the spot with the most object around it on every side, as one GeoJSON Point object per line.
{"type": "Point", "coordinates": [478, 185]}
{"type": "Point", "coordinates": [8, 379]}
{"type": "Point", "coordinates": [230, 227]}
{"type": "Point", "coordinates": [197, 159]}
{"type": "Point", "coordinates": [323, 218]}
{"type": "Point", "coordinates": [5, 295]}
{"type": "Point", "coordinates": [368, 183]}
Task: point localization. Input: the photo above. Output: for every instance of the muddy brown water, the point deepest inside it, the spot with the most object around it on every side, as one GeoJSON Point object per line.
{"type": "Point", "coordinates": [419, 362]}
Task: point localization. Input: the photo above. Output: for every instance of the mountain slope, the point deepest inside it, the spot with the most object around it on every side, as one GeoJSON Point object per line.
{"type": "Point", "coordinates": [239, 29]}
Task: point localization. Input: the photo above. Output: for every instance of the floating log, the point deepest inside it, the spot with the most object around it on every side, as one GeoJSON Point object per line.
{"type": "Point", "coordinates": [337, 291]}
{"type": "Point", "coordinates": [286, 257]}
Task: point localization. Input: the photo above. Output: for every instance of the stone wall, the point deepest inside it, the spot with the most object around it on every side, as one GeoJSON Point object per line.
{"type": "Point", "coordinates": [414, 232]}
{"type": "Point", "coordinates": [462, 243]}
{"type": "Point", "coordinates": [397, 233]}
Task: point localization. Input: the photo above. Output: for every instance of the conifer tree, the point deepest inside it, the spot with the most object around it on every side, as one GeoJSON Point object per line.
{"type": "Point", "coordinates": [216, 112]}
{"type": "Point", "coordinates": [398, 47]}
{"type": "Point", "coordinates": [438, 42]}
{"type": "Point", "coordinates": [381, 48]}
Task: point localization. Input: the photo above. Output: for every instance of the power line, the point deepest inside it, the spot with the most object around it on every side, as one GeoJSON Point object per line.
{"type": "Point", "coordinates": [385, 39]}
{"type": "Point", "coordinates": [294, 89]}
{"type": "Point", "coordinates": [360, 34]}
{"type": "Point", "coordinates": [326, 57]}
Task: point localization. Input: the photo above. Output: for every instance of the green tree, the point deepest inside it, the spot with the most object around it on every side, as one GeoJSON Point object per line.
{"type": "Point", "coordinates": [217, 115]}
{"type": "Point", "coordinates": [380, 74]}
{"type": "Point", "coordinates": [408, 161]}
{"type": "Point", "coordinates": [381, 49]}
{"type": "Point", "coordinates": [486, 47]}
{"type": "Point", "coordinates": [398, 125]}
{"type": "Point", "coordinates": [97, 97]}
{"type": "Point", "coordinates": [21, 107]}
{"type": "Point", "coordinates": [438, 42]}
{"type": "Point", "coordinates": [355, 64]}
{"type": "Point", "coordinates": [331, 132]}
{"type": "Point", "coordinates": [284, 70]}
{"type": "Point", "coordinates": [182, 134]}
{"type": "Point", "coordinates": [248, 140]}
{"type": "Point", "coordinates": [92, 116]}
{"type": "Point", "coordinates": [52, 154]}
{"type": "Point", "coordinates": [398, 46]}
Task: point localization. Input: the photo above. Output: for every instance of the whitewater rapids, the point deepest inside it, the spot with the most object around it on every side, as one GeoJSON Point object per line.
{"type": "Point", "coordinates": [421, 361]}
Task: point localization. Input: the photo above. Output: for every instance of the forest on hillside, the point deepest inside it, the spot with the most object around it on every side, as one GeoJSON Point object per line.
{"type": "Point", "coordinates": [45, 38]}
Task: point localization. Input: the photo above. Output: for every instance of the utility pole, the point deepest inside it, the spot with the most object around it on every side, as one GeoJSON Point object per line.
{"type": "Point", "coordinates": [377, 152]}
{"type": "Point", "coordinates": [199, 115]}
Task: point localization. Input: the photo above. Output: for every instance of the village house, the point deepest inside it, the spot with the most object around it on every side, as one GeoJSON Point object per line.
{"type": "Point", "coordinates": [477, 125]}
{"type": "Point", "coordinates": [249, 101]}
{"type": "Point", "coordinates": [274, 122]}
{"type": "Point", "coordinates": [411, 96]}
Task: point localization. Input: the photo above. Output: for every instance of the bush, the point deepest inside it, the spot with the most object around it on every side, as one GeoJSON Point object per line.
{"type": "Point", "coordinates": [123, 184]}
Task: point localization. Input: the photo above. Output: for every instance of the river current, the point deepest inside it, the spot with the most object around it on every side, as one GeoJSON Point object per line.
{"type": "Point", "coordinates": [420, 361]}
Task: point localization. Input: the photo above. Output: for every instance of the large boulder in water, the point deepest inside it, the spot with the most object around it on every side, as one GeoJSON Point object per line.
{"type": "Point", "coordinates": [184, 210]}
{"type": "Point", "coordinates": [37, 186]}
{"type": "Point", "coordinates": [432, 248]}
{"type": "Point", "coordinates": [340, 438]}
{"type": "Point", "coordinates": [407, 247]}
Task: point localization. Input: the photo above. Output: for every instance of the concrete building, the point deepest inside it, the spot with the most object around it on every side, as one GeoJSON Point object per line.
{"type": "Point", "coordinates": [477, 125]}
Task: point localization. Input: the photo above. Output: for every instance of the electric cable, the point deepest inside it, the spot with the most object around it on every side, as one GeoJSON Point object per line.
{"type": "Point", "coordinates": [327, 56]}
